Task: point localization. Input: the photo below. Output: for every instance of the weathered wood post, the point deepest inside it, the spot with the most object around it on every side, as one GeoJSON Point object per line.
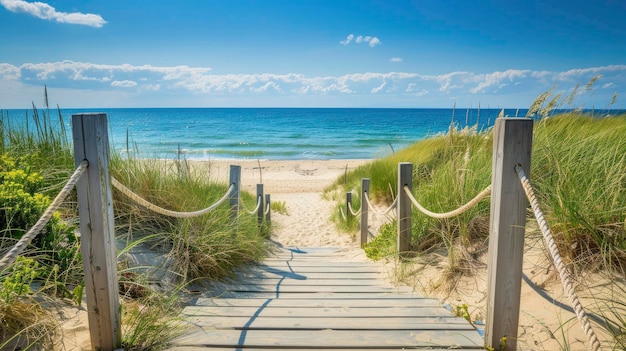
{"type": "Point", "coordinates": [261, 210]}
{"type": "Point", "coordinates": [235, 180]}
{"type": "Point", "coordinates": [348, 207]}
{"type": "Point", "coordinates": [365, 189]}
{"type": "Point", "coordinates": [268, 206]}
{"type": "Point", "coordinates": [512, 143]}
{"type": "Point", "coordinates": [97, 236]}
{"type": "Point", "coordinates": [405, 178]}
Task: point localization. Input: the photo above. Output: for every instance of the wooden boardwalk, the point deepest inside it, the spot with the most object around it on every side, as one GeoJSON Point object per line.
{"type": "Point", "coordinates": [316, 298]}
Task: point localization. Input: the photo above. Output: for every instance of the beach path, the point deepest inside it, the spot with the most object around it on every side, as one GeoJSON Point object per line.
{"type": "Point", "coordinates": [319, 298]}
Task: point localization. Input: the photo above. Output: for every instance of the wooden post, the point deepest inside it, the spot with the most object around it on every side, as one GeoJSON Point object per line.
{"type": "Point", "coordinates": [405, 178]}
{"type": "Point", "coordinates": [348, 207]}
{"type": "Point", "coordinates": [259, 197]}
{"type": "Point", "coordinates": [512, 145]}
{"type": "Point", "coordinates": [268, 205]}
{"type": "Point", "coordinates": [235, 180]}
{"type": "Point", "coordinates": [365, 189]}
{"type": "Point", "coordinates": [97, 236]}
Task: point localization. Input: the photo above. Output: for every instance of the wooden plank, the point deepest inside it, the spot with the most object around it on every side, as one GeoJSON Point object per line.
{"type": "Point", "coordinates": [511, 146]}
{"type": "Point", "coordinates": [332, 339]}
{"type": "Point", "coordinates": [354, 303]}
{"type": "Point", "coordinates": [314, 275]}
{"type": "Point", "coordinates": [310, 282]}
{"type": "Point", "coordinates": [300, 270]}
{"type": "Point", "coordinates": [312, 347]}
{"type": "Point", "coordinates": [304, 295]}
{"type": "Point", "coordinates": [309, 289]}
{"type": "Point", "coordinates": [307, 312]}
{"type": "Point", "coordinates": [345, 323]}
{"type": "Point", "coordinates": [317, 262]}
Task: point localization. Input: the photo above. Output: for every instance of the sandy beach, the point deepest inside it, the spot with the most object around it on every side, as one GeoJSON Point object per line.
{"type": "Point", "coordinates": [300, 183]}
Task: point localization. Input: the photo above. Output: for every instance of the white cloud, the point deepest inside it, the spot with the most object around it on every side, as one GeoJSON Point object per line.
{"type": "Point", "coordinates": [47, 12]}
{"type": "Point", "coordinates": [348, 39]}
{"type": "Point", "coordinates": [497, 78]}
{"type": "Point", "coordinates": [374, 41]}
{"type": "Point", "coordinates": [370, 40]}
{"type": "Point", "coordinates": [378, 88]}
{"type": "Point", "coordinates": [8, 71]}
{"type": "Point", "coordinates": [147, 80]}
{"type": "Point", "coordinates": [124, 83]}
{"type": "Point", "coordinates": [395, 59]}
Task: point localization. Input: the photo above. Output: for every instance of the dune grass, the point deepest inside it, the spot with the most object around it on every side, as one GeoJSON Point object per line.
{"type": "Point", "coordinates": [579, 174]}
{"type": "Point", "coordinates": [36, 160]}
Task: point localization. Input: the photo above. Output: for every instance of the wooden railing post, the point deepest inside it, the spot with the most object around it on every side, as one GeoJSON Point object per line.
{"type": "Point", "coordinates": [365, 189]}
{"type": "Point", "coordinates": [405, 178]}
{"type": "Point", "coordinates": [259, 197]}
{"type": "Point", "coordinates": [348, 207]}
{"type": "Point", "coordinates": [268, 206]}
{"type": "Point", "coordinates": [235, 180]}
{"type": "Point", "coordinates": [512, 144]}
{"type": "Point", "coordinates": [97, 236]}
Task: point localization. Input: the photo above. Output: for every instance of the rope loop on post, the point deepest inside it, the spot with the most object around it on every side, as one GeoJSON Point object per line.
{"type": "Point", "coordinates": [483, 194]}
{"type": "Point", "coordinates": [27, 238]}
{"type": "Point", "coordinates": [354, 213]}
{"type": "Point", "coordinates": [566, 279]}
{"type": "Point", "coordinates": [124, 190]}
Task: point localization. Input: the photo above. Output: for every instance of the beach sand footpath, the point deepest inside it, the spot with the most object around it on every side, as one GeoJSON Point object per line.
{"type": "Point", "coordinates": [299, 184]}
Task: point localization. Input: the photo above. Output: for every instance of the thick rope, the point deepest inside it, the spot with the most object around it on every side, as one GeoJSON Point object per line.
{"type": "Point", "coordinates": [267, 209]}
{"type": "Point", "coordinates": [566, 280]}
{"type": "Point", "coordinates": [256, 209]}
{"type": "Point", "coordinates": [453, 213]}
{"type": "Point", "coordinates": [343, 214]}
{"type": "Point", "coordinates": [354, 213]}
{"type": "Point", "coordinates": [373, 209]}
{"type": "Point", "coordinates": [26, 239]}
{"type": "Point", "coordinates": [124, 190]}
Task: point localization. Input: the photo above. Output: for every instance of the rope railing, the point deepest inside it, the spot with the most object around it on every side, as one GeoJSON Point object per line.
{"type": "Point", "coordinates": [256, 208]}
{"type": "Point", "coordinates": [267, 209]}
{"type": "Point", "coordinates": [343, 214]}
{"type": "Point", "coordinates": [27, 238]}
{"type": "Point", "coordinates": [352, 211]}
{"type": "Point", "coordinates": [130, 194]}
{"type": "Point", "coordinates": [566, 279]}
{"type": "Point", "coordinates": [372, 208]}
{"type": "Point", "coordinates": [483, 194]}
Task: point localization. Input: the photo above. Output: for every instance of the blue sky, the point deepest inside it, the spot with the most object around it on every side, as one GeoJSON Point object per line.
{"type": "Point", "coordinates": [310, 53]}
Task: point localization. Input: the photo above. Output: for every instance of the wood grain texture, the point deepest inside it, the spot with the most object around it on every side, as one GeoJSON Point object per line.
{"type": "Point", "coordinates": [294, 303]}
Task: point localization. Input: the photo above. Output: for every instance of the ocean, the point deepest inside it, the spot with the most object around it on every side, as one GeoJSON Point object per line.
{"type": "Point", "coordinates": [276, 133]}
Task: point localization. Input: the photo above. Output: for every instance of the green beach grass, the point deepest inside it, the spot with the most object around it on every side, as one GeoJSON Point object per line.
{"type": "Point", "coordinates": [579, 175]}
{"type": "Point", "coordinates": [36, 160]}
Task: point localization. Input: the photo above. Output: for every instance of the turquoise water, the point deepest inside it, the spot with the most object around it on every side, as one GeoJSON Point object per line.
{"type": "Point", "coordinates": [277, 133]}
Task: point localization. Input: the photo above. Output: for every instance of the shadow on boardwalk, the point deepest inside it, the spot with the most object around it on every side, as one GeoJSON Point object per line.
{"type": "Point", "coordinates": [316, 298]}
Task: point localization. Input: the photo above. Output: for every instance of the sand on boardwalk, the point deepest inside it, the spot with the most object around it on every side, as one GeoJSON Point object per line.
{"type": "Point", "coordinates": [300, 183]}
